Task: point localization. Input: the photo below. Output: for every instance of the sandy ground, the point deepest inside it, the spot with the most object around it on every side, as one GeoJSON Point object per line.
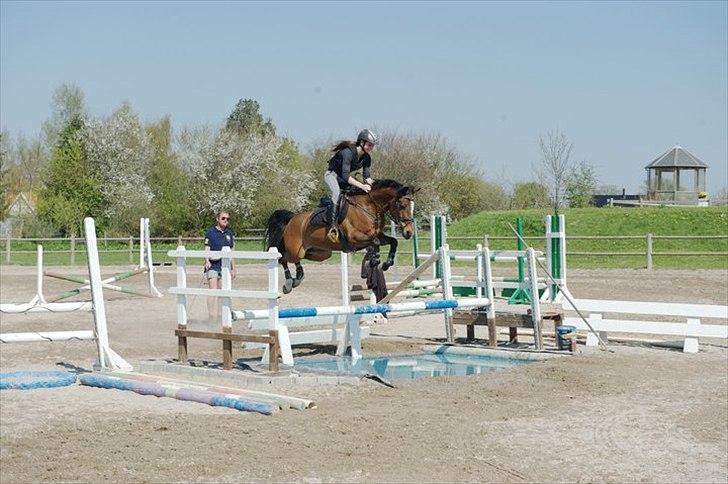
{"type": "Point", "coordinates": [638, 414]}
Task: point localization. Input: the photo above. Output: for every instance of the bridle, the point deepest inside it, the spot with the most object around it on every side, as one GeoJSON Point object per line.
{"type": "Point", "coordinates": [386, 210]}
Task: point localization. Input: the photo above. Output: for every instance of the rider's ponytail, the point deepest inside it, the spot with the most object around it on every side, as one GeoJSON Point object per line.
{"type": "Point", "coordinates": [343, 144]}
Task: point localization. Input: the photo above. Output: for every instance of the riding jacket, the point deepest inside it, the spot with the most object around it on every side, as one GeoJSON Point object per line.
{"type": "Point", "coordinates": [346, 161]}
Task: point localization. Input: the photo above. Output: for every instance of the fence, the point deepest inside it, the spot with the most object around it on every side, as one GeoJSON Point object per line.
{"type": "Point", "coordinates": [636, 251]}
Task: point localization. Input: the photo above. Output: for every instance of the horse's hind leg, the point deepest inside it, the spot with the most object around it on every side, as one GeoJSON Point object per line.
{"type": "Point", "coordinates": [290, 283]}
{"type": "Point", "coordinates": [299, 275]}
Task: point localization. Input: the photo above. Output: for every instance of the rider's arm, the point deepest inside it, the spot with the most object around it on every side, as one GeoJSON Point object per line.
{"type": "Point", "coordinates": [366, 167]}
{"type": "Point", "coordinates": [355, 182]}
{"type": "Point", "coordinates": [346, 158]}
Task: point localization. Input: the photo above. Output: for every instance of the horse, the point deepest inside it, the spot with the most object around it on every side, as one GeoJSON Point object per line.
{"type": "Point", "coordinates": [361, 224]}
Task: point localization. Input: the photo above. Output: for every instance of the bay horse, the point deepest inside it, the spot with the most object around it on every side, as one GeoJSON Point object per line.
{"type": "Point", "coordinates": [361, 224]}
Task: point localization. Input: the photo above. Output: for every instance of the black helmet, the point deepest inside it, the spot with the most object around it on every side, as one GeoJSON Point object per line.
{"type": "Point", "coordinates": [366, 135]}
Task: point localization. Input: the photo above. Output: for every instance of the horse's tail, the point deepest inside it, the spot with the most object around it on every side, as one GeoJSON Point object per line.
{"type": "Point", "coordinates": [274, 229]}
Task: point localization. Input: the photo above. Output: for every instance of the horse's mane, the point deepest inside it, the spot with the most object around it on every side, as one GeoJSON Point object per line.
{"type": "Point", "coordinates": [385, 183]}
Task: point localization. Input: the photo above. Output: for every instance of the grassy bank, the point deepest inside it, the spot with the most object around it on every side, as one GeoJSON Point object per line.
{"type": "Point", "coordinates": [712, 221]}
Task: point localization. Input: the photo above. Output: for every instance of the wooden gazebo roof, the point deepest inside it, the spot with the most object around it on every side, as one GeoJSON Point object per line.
{"type": "Point", "coordinates": [677, 157]}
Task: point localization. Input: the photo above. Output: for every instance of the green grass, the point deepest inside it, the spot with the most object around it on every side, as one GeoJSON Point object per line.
{"type": "Point", "coordinates": [613, 222]}
{"type": "Point", "coordinates": [584, 222]}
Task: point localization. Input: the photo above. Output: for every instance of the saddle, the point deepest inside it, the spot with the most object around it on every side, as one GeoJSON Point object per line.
{"type": "Point", "coordinates": [319, 215]}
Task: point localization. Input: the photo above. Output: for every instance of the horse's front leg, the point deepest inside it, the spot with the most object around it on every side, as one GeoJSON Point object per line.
{"type": "Point", "coordinates": [392, 243]}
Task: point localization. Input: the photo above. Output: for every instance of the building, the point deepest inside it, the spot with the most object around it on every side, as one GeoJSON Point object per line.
{"type": "Point", "coordinates": [676, 176]}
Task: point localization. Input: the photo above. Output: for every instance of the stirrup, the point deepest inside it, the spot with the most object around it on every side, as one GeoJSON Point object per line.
{"type": "Point", "coordinates": [333, 234]}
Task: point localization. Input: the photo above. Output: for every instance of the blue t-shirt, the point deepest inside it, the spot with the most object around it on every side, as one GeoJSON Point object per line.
{"type": "Point", "coordinates": [216, 239]}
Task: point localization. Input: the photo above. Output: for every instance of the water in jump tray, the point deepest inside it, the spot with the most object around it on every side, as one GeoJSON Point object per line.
{"type": "Point", "coordinates": [410, 367]}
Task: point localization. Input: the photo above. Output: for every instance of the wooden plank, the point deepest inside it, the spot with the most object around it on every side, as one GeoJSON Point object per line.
{"type": "Point", "coordinates": [274, 350]}
{"type": "Point", "coordinates": [248, 338]}
{"type": "Point", "coordinates": [492, 334]}
{"type": "Point", "coordinates": [181, 345]}
{"type": "Point", "coordinates": [413, 275]}
{"type": "Point", "coordinates": [227, 350]}
{"type": "Point", "coordinates": [502, 320]}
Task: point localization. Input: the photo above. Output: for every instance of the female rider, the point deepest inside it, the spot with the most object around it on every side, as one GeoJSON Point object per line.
{"type": "Point", "coordinates": [348, 157]}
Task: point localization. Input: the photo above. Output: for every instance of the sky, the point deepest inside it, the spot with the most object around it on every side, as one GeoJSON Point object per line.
{"type": "Point", "coordinates": [624, 81]}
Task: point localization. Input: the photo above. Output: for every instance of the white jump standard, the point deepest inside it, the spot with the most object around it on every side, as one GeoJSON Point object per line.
{"type": "Point", "coordinates": [107, 358]}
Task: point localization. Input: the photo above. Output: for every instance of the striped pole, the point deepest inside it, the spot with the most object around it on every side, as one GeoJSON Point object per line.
{"type": "Point", "coordinates": [304, 312]}
{"type": "Point", "coordinates": [158, 390]}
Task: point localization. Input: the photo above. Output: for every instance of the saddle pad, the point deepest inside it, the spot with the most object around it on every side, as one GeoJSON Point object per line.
{"type": "Point", "coordinates": [319, 215]}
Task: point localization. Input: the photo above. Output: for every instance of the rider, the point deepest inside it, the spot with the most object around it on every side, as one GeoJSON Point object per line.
{"type": "Point", "coordinates": [348, 157]}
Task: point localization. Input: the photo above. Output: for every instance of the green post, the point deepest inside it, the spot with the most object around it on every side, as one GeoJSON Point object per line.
{"type": "Point", "coordinates": [438, 243]}
{"type": "Point", "coordinates": [415, 249]}
{"type": "Point", "coordinates": [521, 295]}
{"type": "Point", "coordinates": [555, 255]}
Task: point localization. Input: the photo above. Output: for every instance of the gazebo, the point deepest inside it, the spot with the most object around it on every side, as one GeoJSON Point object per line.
{"type": "Point", "coordinates": [676, 175]}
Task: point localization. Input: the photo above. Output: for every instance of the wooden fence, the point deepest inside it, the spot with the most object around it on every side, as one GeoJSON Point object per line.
{"type": "Point", "coordinates": [121, 250]}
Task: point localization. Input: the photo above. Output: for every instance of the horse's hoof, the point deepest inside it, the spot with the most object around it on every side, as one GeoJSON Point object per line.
{"type": "Point", "coordinates": [386, 266]}
{"type": "Point", "coordinates": [288, 286]}
{"type": "Point", "coordinates": [297, 282]}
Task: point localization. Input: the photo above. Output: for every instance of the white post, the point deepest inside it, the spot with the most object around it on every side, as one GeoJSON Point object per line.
{"type": "Point", "coordinates": [432, 244]}
{"type": "Point", "coordinates": [351, 338]}
{"type": "Point", "coordinates": [142, 245]}
{"type": "Point", "coordinates": [39, 297]}
{"type": "Point", "coordinates": [562, 252]}
{"type": "Point", "coordinates": [227, 285]}
{"type": "Point", "coordinates": [591, 338]}
{"type": "Point", "coordinates": [447, 291]}
{"type": "Point", "coordinates": [691, 343]}
{"type": "Point", "coordinates": [489, 291]}
{"type": "Point", "coordinates": [535, 302]}
{"type": "Point", "coordinates": [181, 283]}
{"type": "Point", "coordinates": [107, 357]}
{"type": "Point", "coordinates": [150, 265]}
{"type": "Point", "coordinates": [345, 299]}
{"type": "Point", "coordinates": [479, 272]}
{"type": "Point", "coordinates": [284, 341]}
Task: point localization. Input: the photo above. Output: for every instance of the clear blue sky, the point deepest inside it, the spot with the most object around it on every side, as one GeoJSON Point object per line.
{"type": "Point", "coordinates": [624, 81]}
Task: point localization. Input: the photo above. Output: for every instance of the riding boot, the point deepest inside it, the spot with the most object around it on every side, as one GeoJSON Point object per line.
{"type": "Point", "coordinates": [333, 216]}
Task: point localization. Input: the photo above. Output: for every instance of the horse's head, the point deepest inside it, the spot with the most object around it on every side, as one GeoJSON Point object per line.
{"type": "Point", "coordinates": [398, 201]}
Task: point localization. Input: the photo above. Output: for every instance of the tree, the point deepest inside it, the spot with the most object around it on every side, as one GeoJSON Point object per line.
{"type": "Point", "coordinates": [67, 104]}
{"type": "Point", "coordinates": [469, 194]}
{"type": "Point", "coordinates": [246, 120]}
{"type": "Point", "coordinates": [120, 149]}
{"type": "Point", "coordinates": [72, 185]}
{"type": "Point", "coordinates": [29, 160]}
{"type": "Point", "coordinates": [424, 161]}
{"type": "Point", "coordinates": [580, 185]}
{"type": "Point", "coordinates": [530, 195]}
{"type": "Point", "coordinates": [555, 164]}
{"type": "Point", "coordinates": [172, 206]}
{"type": "Point", "coordinates": [4, 175]}
{"type": "Point", "coordinates": [233, 173]}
